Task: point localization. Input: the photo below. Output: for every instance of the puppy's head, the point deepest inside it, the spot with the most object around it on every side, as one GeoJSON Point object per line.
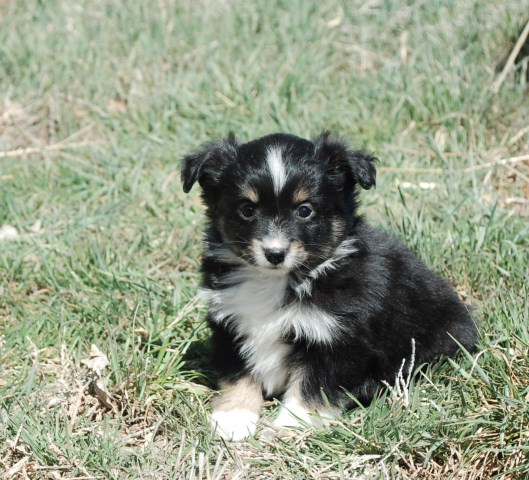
{"type": "Point", "coordinates": [279, 202]}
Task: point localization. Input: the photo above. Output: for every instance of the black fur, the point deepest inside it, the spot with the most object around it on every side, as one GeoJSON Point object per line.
{"type": "Point", "coordinates": [380, 295]}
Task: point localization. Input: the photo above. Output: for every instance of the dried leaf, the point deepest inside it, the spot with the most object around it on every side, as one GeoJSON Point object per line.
{"type": "Point", "coordinates": [36, 227]}
{"type": "Point", "coordinates": [97, 361]}
{"type": "Point", "coordinates": [8, 232]}
{"type": "Point", "coordinates": [17, 467]}
{"type": "Point", "coordinates": [102, 395]}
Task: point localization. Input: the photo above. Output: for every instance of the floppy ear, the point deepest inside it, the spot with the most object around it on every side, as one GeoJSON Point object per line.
{"type": "Point", "coordinates": [206, 165]}
{"type": "Point", "coordinates": [356, 164]}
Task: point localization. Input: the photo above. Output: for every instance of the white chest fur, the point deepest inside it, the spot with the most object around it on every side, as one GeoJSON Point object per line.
{"type": "Point", "coordinates": [253, 306]}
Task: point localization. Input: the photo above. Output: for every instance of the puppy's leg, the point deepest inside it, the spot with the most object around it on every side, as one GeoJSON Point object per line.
{"type": "Point", "coordinates": [296, 411]}
{"type": "Point", "coordinates": [236, 410]}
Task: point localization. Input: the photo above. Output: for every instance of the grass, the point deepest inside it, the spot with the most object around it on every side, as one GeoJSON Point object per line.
{"type": "Point", "coordinates": [109, 95]}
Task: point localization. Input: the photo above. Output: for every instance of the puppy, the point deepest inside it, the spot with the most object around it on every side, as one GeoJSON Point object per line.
{"type": "Point", "coordinates": [307, 300]}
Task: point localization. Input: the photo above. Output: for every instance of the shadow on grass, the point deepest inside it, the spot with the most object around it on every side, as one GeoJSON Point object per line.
{"type": "Point", "coordinates": [197, 362]}
{"type": "Point", "coordinates": [194, 363]}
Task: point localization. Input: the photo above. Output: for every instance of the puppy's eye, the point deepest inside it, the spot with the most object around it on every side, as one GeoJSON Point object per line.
{"type": "Point", "coordinates": [247, 211]}
{"type": "Point", "coordinates": [305, 211]}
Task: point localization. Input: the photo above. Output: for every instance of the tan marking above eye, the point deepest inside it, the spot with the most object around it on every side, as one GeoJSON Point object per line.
{"type": "Point", "coordinates": [250, 194]}
{"type": "Point", "coordinates": [301, 195]}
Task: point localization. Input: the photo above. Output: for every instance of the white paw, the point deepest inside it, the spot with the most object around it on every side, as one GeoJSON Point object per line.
{"type": "Point", "coordinates": [297, 417]}
{"type": "Point", "coordinates": [236, 424]}
{"type": "Point", "coordinates": [294, 414]}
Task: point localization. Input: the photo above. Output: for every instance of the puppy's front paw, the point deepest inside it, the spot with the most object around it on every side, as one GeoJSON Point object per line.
{"type": "Point", "coordinates": [298, 418]}
{"type": "Point", "coordinates": [294, 413]}
{"type": "Point", "coordinates": [284, 426]}
{"type": "Point", "coordinates": [236, 424]}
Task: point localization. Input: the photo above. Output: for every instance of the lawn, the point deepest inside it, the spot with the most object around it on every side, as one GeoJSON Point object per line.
{"type": "Point", "coordinates": [99, 246]}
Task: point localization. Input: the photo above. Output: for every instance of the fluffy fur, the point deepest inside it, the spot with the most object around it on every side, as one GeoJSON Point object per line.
{"type": "Point", "coordinates": [306, 299]}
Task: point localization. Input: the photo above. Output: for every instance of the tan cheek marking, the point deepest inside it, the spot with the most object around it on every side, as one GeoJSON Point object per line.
{"type": "Point", "coordinates": [245, 393]}
{"type": "Point", "coordinates": [251, 194]}
{"type": "Point", "coordinates": [298, 251]}
{"type": "Point", "coordinates": [301, 195]}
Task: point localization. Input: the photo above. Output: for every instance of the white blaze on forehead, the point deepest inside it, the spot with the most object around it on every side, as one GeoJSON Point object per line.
{"type": "Point", "coordinates": [274, 159]}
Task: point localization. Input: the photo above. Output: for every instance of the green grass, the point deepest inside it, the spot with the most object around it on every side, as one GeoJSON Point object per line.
{"type": "Point", "coordinates": [112, 94]}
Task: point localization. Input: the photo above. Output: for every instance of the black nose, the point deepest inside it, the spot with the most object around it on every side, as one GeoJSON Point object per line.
{"type": "Point", "coordinates": [275, 255]}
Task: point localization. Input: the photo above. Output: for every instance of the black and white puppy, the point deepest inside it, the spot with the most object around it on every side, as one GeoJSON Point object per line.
{"type": "Point", "coordinates": [306, 299]}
